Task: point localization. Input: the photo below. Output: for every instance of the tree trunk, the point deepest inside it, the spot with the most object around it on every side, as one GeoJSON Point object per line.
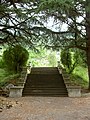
{"type": "Point", "coordinates": [88, 62]}
{"type": "Point", "coordinates": [88, 38]}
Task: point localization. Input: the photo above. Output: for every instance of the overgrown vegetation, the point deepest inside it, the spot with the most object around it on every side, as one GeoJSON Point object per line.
{"type": "Point", "coordinates": [80, 77]}
{"type": "Point", "coordinates": [15, 58]}
{"type": "Point", "coordinates": [44, 57]}
{"type": "Point", "coordinates": [66, 60]}
{"type": "Point", "coordinates": [2, 65]}
{"type": "Point", "coordinates": [8, 77]}
{"type": "Point", "coordinates": [11, 62]}
{"type": "Point", "coordinates": [75, 64]}
{"type": "Point", "coordinates": [71, 59]}
{"type": "Point", "coordinates": [27, 23]}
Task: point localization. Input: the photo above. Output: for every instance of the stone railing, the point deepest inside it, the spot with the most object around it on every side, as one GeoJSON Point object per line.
{"type": "Point", "coordinates": [16, 91]}
{"type": "Point", "coordinates": [23, 77]}
{"type": "Point", "coordinates": [73, 90]}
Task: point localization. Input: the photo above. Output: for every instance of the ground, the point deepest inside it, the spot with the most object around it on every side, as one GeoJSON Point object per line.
{"type": "Point", "coordinates": [45, 108]}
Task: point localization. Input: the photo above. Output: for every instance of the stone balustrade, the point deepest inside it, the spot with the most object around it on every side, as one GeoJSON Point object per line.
{"type": "Point", "coordinates": [73, 90]}
{"type": "Point", "coordinates": [16, 91]}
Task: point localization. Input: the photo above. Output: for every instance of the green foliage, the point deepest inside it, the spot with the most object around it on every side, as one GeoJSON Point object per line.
{"type": "Point", "coordinates": [69, 60]}
{"type": "Point", "coordinates": [7, 77]}
{"type": "Point", "coordinates": [37, 57]}
{"type": "Point", "coordinates": [43, 57]}
{"type": "Point", "coordinates": [52, 59]}
{"type": "Point", "coordinates": [82, 59]}
{"type": "Point", "coordinates": [81, 72]}
{"type": "Point", "coordinates": [15, 57]}
{"type": "Point", "coordinates": [50, 3]}
{"type": "Point", "coordinates": [2, 63]}
{"type": "Point", "coordinates": [66, 59]}
{"type": "Point", "coordinates": [21, 22]}
{"type": "Point", "coordinates": [80, 76]}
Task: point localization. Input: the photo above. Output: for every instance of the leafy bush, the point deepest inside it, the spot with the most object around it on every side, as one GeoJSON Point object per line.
{"type": "Point", "coordinates": [66, 59]}
{"type": "Point", "coordinates": [10, 79]}
{"type": "Point", "coordinates": [2, 63]}
{"type": "Point", "coordinates": [15, 57]}
{"type": "Point", "coordinates": [78, 80]}
{"type": "Point", "coordinates": [69, 60]}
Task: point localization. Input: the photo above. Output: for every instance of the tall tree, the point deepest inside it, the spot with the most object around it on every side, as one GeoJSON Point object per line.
{"type": "Point", "coordinates": [22, 21]}
{"type": "Point", "coordinates": [76, 14]}
{"type": "Point", "coordinates": [88, 36]}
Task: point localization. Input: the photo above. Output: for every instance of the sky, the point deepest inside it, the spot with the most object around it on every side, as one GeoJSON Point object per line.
{"type": "Point", "coordinates": [51, 24]}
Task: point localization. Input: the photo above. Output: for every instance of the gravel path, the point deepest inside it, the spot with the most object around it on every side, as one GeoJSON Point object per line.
{"type": "Point", "coordinates": [47, 108]}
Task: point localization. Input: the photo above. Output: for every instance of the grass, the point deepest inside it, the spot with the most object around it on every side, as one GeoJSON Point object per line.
{"type": "Point", "coordinates": [80, 77]}
{"type": "Point", "coordinates": [82, 72]}
{"type": "Point", "coordinates": [7, 77]}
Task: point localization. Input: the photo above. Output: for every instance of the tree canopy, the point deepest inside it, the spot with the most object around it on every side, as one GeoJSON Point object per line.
{"type": "Point", "coordinates": [23, 21]}
{"type": "Point", "coordinates": [17, 22]}
{"type": "Point", "coordinates": [26, 22]}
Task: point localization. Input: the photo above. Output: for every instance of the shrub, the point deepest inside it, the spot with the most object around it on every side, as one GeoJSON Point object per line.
{"type": "Point", "coordinates": [15, 57]}
{"type": "Point", "coordinates": [1, 63]}
{"type": "Point", "coordinates": [66, 59]}
{"type": "Point", "coordinates": [69, 60]}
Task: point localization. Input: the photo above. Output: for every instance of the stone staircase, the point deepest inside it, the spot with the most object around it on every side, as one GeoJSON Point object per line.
{"type": "Point", "coordinates": [45, 81]}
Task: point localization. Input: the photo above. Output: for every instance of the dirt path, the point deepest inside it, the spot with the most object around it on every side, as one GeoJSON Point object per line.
{"type": "Point", "coordinates": [47, 108]}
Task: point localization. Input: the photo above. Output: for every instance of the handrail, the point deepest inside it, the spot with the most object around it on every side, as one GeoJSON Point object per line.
{"type": "Point", "coordinates": [23, 77]}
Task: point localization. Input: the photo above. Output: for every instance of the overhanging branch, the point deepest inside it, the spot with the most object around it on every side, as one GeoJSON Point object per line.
{"type": "Point", "coordinates": [67, 46]}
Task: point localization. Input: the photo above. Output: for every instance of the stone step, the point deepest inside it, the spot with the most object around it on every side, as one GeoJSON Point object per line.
{"type": "Point", "coordinates": [42, 93]}
{"type": "Point", "coordinates": [47, 94]}
{"type": "Point", "coordinates": [45, 75]}
{"type": "Point", "coordinates": [44, 70]}
{"type": "Point", "coordinates": [44, 82]}
{"type": "Point", "coordinates": [48, 88]}
{"type": "Point", "coordinates": [45, 91]}
{"type": "Point", "coordinates": [45, 85]}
